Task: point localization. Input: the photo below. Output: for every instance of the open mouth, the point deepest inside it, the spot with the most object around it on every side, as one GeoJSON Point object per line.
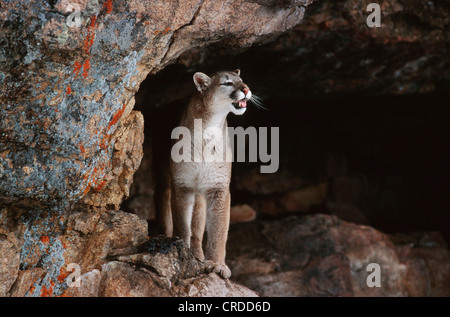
{"type": "Point", "coordinates": [240, 104]}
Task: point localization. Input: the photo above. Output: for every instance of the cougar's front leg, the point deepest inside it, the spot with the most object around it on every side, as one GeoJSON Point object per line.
{"type": "Point", "coordinates": [198, 226]}
{"type": "Point", "coordinates": [217, 223]}
{"type": "Point", "coordinates": [182, 201]}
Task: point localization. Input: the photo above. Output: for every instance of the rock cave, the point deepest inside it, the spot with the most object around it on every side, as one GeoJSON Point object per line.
{"type": "Point", "coordinates": [363, 137]}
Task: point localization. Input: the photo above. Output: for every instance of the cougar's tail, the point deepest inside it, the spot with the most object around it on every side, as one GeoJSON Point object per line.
{"type": "Point", "coordinates": [163, 210]}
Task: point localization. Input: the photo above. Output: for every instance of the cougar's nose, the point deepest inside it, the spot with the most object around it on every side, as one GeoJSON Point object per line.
{"type": "Point", "coordinates": [245, 90]}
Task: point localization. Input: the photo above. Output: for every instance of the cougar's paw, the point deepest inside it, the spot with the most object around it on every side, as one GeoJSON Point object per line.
{"type": "Point", "coordinates": [209, 265]}
{"type": "Point", "coordinates": [221, 269]}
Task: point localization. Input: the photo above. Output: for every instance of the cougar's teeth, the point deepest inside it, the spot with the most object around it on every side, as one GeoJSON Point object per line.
{"type": "Point", "coordinates": [240, 104]}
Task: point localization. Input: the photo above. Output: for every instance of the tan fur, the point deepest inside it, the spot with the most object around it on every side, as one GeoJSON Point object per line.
{"type": "Point", "coordinates": [200, 195]}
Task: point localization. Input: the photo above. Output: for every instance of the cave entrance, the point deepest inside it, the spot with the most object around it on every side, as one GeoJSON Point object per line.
{"type": "Point", "coordinates": [368, 157]}
{"type": "Point", "coordinates": [162, 99]}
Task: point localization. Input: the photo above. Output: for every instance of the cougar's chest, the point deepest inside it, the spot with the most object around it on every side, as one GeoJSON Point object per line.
{"type": "Point", "coordinates": [201, 176]}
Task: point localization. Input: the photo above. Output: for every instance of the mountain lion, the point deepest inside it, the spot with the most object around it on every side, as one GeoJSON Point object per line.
{"type": "Point", "coordinates": [198, 194]}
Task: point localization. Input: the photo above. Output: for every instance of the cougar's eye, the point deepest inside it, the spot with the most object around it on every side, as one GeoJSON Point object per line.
{"type": "Point", "coordinates": [228, 83]}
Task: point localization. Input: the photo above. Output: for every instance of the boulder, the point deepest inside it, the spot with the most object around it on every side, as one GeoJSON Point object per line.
{"type": "Point", "coordinates": [242, 213]}
{"type": "Point", "coordinates": [321, 255]}
{"type": "Point", "coordinates": [105, 254]}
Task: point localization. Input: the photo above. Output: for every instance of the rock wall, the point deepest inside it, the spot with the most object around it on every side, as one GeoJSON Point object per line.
{"type": "Point", "coordinates": [67, 88]}
{"type": "Point", "coordinates": [70, 141]}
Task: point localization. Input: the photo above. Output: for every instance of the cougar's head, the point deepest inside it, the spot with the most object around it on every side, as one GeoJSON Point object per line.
{"type": "Point", "coordinates": [224, 91]}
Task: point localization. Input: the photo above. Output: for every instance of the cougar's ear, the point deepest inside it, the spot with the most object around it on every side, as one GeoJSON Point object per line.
{"type": "Point", "coordinates": [201, 81]}
{"type": "Point", "coordinates": [237, 71]}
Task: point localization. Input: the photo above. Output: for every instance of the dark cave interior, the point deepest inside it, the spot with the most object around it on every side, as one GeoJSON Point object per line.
{"type": "Point", "coordinates": [382, 156]}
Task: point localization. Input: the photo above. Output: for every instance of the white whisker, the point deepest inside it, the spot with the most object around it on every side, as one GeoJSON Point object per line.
{"type": "Point", "coordinates": [257, 101]}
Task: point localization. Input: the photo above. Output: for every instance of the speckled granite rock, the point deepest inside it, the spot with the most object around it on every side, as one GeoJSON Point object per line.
{"type": "Point", "coordinates": [66, 89]}
{"type": "Point", "coordinates": [110, 253]}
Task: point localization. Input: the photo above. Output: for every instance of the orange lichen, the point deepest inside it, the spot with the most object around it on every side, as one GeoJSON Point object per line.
{"type": "Point", "coordinates": [87, 44]}
{"type": "Point", "coordinates": [116, 116]}
{"type": "Point", "coordinates": [103, 144]}
{"type": "Point", "coordinates": [93, 24]}
{"type": "Point", "coordinates": [97, 181]}
{"type": "Point", "coordinates": [86, 68]}
{"type": "Point", "coordinates": [166, 30]}
{"type": "Point", "coordinates": [32, 288]}
{"type": "Point", "coordinates": [82, 149]}
{"type": "Point", "coordinates": [97, 176]}
{"type": "Point", "coordinates": [100, 186]}
{"type": "Point", "coordinates": [89, 39]}
{"type": "Point", "coordinates": [68, 90]}
{"type": "Point", "coordinates": [47, 292]}
{"type": "Point", "coordinates": [108, 6]}
{"type": "Point", "coordinates": [107, 138]}
{"type": "Point", "coordinates": [86, 190]}
{"type": "Point", "coordinates": [62, 276]}
{"type": "Point", "coordinates": [77, 68]}
{"type": "Point", "coordinates": [44, 239]}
